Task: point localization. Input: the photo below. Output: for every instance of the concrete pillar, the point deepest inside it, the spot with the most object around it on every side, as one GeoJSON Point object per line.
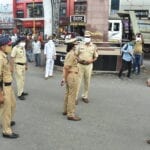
{"type": "Point", "coordinates": [97, 16]}
{"type": "Point", "coordinates": [47, 17]}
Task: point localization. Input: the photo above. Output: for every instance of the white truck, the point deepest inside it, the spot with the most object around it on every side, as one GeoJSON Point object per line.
{"type": "Point", "coordinates": [125, 28]}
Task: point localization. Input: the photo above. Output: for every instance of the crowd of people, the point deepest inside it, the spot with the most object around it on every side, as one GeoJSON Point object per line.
{"type": "Point", "coordinates": [78, 65]}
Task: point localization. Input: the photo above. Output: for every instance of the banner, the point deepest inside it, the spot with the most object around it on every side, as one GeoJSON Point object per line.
{"type": "Point", "coordinates": [6, 14]}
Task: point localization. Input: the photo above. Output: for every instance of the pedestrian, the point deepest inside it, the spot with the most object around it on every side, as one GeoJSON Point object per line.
{"type": "Point", "coordinates": [37, 51]}
{"type": "Point", "coordinates": [70, 78]}
{"type": "Point", "coordinates": [19, 66]}
{"type": "Point", "coordinates": [7, 96]}
{"type": "Point", "coordinates": [28, 47]}
{"type": "Point", "coordinates": [127, 59]}
{"type": "Point", "coordinates": [138, 51]}
{"type": "Point", "coordinates": [87, 54]}
{"type": "Point", "coordinates": [50, 54]}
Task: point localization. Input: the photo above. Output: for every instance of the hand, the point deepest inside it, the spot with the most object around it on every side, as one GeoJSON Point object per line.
{"type": "Point", "coordinates": [1, 98]}
{"type": "Point", "coordinates": [62, 82]}
{"type": "Point", "coordinates": [11, 69]}
{"type": "Point", "coordinates": [26, 67]}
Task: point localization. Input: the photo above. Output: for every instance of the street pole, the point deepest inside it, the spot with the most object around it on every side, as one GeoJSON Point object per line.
{"type": "Point", "coordinates": [33, 6]}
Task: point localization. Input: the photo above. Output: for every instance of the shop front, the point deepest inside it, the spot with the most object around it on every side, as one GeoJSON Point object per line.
{"type": "Point", "coordinates": [30, 25]}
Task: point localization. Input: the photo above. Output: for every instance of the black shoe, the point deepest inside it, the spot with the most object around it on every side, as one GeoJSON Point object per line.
{"type": "Point", "coordinates": [75, 118]}
{"type": "Point", "coordinates": [24, 94]}
{"type": "Point", "coordinates": [12, 123]}
{"type": "Point", "coordinates": [64, 113]}
{"type": "Point", "coordinates": [21, 97]}
{"type": "Point", "coordinates": [148, 141]}
{"type": "Point", "coordinates": [11, 136]}
{"type": "Point", "coordinates": [85, 100]}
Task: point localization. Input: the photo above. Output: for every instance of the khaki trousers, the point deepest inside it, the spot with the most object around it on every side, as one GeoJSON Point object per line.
{"type": "Point", "coordinates": [20, 78]}
{"type": "Point", "coordinates": [70, 94]}
{"type": "Point", "coordinates": [85, 72]}
{"type": "Point", "coordinates": [8, 109]}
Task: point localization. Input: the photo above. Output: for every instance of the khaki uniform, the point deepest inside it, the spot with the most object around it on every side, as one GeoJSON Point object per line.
{"type": "Point", "coordinates": [87, 53]}
{"type": "Point", "coordinates": [8, 108]}
{"type": "Point", "coordinates": [19, 55]}
{"type": "Point", "coordinates": [71, 85]}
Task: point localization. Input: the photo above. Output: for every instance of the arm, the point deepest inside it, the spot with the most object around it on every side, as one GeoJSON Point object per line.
{"type": "Point", "coordinates": [65, 75]}
{"type": "Point", "coordinates": [13, 54]}
{"type": "Point", "coordinates": [1, 83]}
{"type": "Point", "coordinates": [12, 64]}
{"type": "Point", "coordinates": [95, 55]}
{"type": "Point", "coordinates": [66, 69]}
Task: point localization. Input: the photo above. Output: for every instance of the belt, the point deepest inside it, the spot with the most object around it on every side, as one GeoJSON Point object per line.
{"type": "Point", "coordinates": [83, 63]}
{"type": "Point", "coordinates": [73, 72]}
{"type": "Point", "coordinates": [20, 63]}
{"type": "Point", "coordinates": [7, 83]}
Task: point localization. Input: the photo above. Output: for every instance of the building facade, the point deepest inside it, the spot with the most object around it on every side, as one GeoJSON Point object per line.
{"type": "Point", "coordinates": [88, 15]}
{"type": "Point", "coordinates": [29, 15]}
{"type": "Point", "coordinates": [142, 8]}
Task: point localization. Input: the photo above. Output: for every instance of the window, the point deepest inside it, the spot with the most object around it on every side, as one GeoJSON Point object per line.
{"type": "Point", "coordinates": [37, 11]}
{"type": "Point", "coordinates": [63, 7]}
{"type": "Point", "coordinates": [115, 4]}
{"type": "Point", "coordinates": [110, 26]}
{"type": "Point", "coordinates": [116, 26]}
{"type": "Point", "coordinates": [20, 14]}
{"type": "Point", "coordinates": [80, 7]}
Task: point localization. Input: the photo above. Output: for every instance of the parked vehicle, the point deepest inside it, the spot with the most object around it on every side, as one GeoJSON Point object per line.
{"type": "Point", "coordinates": [125, 28]}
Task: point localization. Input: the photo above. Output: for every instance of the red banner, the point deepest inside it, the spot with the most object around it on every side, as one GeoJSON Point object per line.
{"type": "Point", "coordinates": [28, 1]}
{"type": "Point", "coordinates": [29, 24]}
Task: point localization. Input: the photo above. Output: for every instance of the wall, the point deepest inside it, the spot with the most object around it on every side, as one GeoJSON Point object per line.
{"type": "Point", "coordinates": [97, 16]}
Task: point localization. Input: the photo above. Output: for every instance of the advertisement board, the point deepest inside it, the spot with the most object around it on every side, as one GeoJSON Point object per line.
{"type": "Point", "coordinates": [6, 14]}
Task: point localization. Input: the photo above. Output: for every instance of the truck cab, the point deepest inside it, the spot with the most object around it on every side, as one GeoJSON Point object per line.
{"type": "Point", "coordinates": [115, 30]}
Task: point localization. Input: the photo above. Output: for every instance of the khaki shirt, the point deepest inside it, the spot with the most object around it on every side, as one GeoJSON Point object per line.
{"type": "Point", "coordinates": [86, 52]}
{"type": "Point", "coordinates": [19, 54]}
{"type": "Point", "coordinates": [71, 61]}
{"type": "Point", "coordinates": [5, 73]}
{"type": "Point", "coordinates": [138, 47]}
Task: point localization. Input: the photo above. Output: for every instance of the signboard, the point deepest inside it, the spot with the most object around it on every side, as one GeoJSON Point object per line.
{"type": "Point", "coordinates": [6, 14]}
{"type": "Point", "coordinates": [78, 19]}
{"type": "Point", "coordinates": [29, 24]}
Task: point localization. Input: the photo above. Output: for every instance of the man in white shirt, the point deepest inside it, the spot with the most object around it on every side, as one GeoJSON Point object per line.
{"type": "Point", "coordinates": [37, 51]}
{"type": "Point", "coordinates": [50, 54]}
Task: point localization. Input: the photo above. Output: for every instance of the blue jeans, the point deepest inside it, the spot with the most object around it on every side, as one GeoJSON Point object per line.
{"type": "Point", "coordinates": [37, 59]}
{"type": "Point", "coordinates": [137, 63]}
{"type": "Point", "coordinates": [29, 55]}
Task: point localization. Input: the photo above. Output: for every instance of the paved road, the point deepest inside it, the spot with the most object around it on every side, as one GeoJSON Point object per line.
{"type": "Point", "coordinates": [117, 117]}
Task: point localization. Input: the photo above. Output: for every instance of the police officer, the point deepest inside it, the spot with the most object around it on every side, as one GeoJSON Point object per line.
{"type": "Point", "coordinates": [87, 54]}
{"type": "Point", "coordinates": [19, 64]}
{"type": "Point", "coordinates": [7, 97]}
{"type": "Point", "coordinates": [70, 77]}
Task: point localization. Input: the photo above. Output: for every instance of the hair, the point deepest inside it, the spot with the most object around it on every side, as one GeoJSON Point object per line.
{"type": "Point", "coordinates": [69, 47]}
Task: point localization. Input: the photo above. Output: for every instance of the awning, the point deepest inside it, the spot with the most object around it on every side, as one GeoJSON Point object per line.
{"type": "Point", "coordinates": [123, 13]}
{"type": "Point", "coordinates": [29, 22]}
{"type": "Point", "coordinates": [28, 19]}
